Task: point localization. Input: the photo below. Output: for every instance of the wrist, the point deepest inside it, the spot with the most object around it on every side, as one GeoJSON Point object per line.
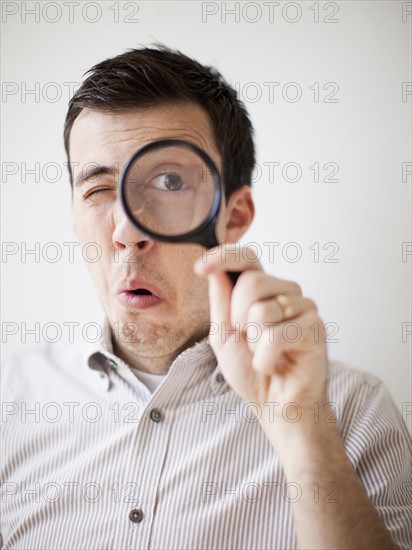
{"type": "Point", "coordinates": [300, 428]}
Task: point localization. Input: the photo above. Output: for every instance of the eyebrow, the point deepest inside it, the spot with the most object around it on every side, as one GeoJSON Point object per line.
{"type": "Point", "coordinates": [94, 172]}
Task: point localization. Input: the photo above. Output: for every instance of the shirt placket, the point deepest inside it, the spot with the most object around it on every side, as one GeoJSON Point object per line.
{"type": "Point", "coordinates": [138, 487]}
{"type": "Point", "coordinates": [149, 449]}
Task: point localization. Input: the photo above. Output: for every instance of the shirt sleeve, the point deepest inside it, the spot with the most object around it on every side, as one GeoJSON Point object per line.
{"type": "Point", "coordinates": [379, 447]}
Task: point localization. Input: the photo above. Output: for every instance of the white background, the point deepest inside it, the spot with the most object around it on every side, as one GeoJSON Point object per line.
{"type": "Point", "coordinates": [366, 133]}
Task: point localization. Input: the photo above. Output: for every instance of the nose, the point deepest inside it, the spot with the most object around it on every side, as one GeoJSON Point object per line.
{"type": "Point", "coordinates": [127, 237]}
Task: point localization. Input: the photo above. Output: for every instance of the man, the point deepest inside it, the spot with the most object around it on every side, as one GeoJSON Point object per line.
{"type": "Point", "coordinates": [160, 436]}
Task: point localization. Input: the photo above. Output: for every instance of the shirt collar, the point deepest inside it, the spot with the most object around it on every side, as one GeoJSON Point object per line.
{"type": "Point", "coordinates": [99, 357]}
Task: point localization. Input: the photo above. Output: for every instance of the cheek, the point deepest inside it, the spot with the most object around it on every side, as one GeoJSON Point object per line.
{"type": "Point", "coordinates": [177, 264]}
{"type": "Point", "coordinates": [193, 288]}
{"type": "Point", "coordinates": [93, 225]}
{"type": "Point", "coordinates": [221, 225]}
{"type": "Point", "coordinates": [94, 230]}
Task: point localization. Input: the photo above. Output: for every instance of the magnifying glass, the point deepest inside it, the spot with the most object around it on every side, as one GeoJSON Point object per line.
{"type": "Point", "coordinates": [171, 190]}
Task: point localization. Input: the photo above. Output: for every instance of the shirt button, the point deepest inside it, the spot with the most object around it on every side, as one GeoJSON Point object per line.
{"type": "Point", "coordinates": [156, 415]}
{"type": "Point", "coordinates": [136, 515]}
{"type": "Point", "coordinates": [220, 378]}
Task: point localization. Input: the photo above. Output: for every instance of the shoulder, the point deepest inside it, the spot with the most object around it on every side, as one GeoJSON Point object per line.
{"type": "Point", "coordinates": [367, 413]}
{"type": "Point", "coordinates": [377, 444]}
{"type": "Point", "coordinates": [344, 378]}
{"type": "Point", "coordinates": [35, 369]}
{"type": "Point", "coordinates": [351, 387]}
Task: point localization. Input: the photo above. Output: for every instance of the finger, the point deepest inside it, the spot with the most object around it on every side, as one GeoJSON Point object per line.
{"type": "Point", "coordinates": [285, 339]}
{"type": "Point", "coordinates": [220, 290]}
{"type": "Point", "coordinates": [266, 312]}
{"type": "Point", "coordinates": [255, 286]}
{"type": "Point", "coordinates": [228, 257]}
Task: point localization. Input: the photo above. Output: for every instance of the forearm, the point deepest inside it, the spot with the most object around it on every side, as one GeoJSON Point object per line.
{"type": "Point", "coordinates": [333, 510]}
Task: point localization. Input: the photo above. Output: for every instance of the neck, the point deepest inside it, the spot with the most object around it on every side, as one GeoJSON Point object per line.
{"type": "Point", "coordinates": [159, 364]}
{"type": "Point", "coordinates": [153, 365]}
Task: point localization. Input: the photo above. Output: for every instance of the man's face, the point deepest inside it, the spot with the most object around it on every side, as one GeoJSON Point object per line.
{"type": "Point", "coordinates": [178, 313]}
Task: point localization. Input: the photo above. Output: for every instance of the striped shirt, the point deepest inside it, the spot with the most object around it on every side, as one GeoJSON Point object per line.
{"type": "Point", "coordinates": [92, 459]}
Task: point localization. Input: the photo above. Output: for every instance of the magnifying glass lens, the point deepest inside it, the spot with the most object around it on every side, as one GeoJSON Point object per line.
{"type": "Point", "coordinates": [169, 190]}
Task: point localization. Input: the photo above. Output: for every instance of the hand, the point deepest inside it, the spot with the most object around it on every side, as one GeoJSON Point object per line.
{"type": "Point", "coordinates": [269, 349]}
{"type": "Point", "coordinates": [262, 364]}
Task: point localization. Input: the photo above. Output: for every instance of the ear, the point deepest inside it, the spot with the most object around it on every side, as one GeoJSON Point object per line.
{"type": "Point", "coordinates": [240, 211]}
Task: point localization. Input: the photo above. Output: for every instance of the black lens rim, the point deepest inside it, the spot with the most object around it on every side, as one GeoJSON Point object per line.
{"type": "Point", "coordinates": [205, 233]}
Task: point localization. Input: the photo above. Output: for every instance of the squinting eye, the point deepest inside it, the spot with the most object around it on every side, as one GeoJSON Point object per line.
{"type": "Point", "coordinates": [95, 191]}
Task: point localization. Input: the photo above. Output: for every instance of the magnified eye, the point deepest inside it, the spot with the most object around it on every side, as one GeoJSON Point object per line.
{"type": "Point", "coordinates": [172, 189]}
{"type": "Point", "coordinates": [170, 181]}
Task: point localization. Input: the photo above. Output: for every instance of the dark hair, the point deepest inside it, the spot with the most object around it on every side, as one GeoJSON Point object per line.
{"type": "Point", "coordinates": [150, 77]}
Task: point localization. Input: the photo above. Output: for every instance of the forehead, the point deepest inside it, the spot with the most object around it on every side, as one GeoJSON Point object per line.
{"type": "Point", "coordinates": [111, 138]}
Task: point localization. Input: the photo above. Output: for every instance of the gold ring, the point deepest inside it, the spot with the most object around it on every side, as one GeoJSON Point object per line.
{"type": "Point", "coordinates": [283, 301]}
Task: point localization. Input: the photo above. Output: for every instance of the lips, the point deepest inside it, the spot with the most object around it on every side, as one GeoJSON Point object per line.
{"type": "Point", "coordinates": [138, 294]}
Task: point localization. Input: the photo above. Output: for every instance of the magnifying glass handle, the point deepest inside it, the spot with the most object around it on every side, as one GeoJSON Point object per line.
{"type": "Point", "coordinates": [233, 275]}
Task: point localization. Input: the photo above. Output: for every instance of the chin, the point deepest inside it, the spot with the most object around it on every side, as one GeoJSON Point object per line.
{"type": "Point", "coordinates": [141, 336]}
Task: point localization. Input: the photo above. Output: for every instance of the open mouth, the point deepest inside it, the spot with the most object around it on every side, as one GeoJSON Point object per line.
{"type": "Point", "coordinates": [141, 292]}
{"type": "Point", "coordinates": [138, 298]}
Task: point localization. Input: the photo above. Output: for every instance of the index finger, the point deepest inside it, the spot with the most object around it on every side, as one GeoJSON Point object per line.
{"type": "Point", "coordinates": [227, 257]}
